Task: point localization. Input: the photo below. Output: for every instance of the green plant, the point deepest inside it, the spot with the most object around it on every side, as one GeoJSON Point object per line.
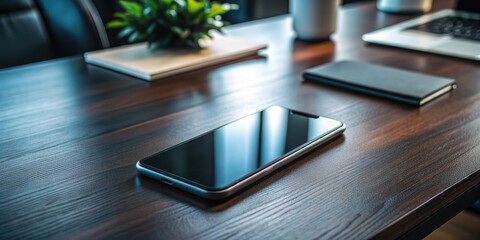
{"type": "Point", "coordinates": [170, 23]}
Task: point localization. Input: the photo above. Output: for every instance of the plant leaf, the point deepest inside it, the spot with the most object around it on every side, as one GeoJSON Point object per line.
{"type": "Point", "coordinates": [170, 23]}
{"type": "Point", "coordinates": [171, 14]}
{"type": "Point", "coordinates": [163, 42]}
{"type": "Point", "coordinates": [116, 24]}
{"type": "Point", "coordinates": [182, 33]}
{"type": "Point", "coordinates": [147, 11]}
{"type": "Point", "coordinates": [193, 6]}
{"type": "Point", "coordinates": [179, 3]}
{"type": "Point", "coordinates": [151, 28]}
{"type": "Point", "coordinates": [122, 15]}
{"type": "Point", "coordinates": [125, 32]}
{"type": "Point", "coordinates": [132, 7]}
{"type": "Point", "coordinates": [134, 37]}
{"type": "Point", "coordinates": [216, 9]}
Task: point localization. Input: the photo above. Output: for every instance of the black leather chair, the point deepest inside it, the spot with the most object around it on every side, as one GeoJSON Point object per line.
{"type": "Point", "coordinates": [74, 26]}
{"type": "Point", "coordinates": [24, 35]}
{"type": "Point", "coordinates": [43, 29]}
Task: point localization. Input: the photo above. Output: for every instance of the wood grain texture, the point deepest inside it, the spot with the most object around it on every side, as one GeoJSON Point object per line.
{"type": "Point", "coordinates": [71, 133]}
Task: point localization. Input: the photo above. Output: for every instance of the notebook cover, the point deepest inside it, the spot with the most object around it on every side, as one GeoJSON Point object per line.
{"type": "Point", "coordinates": [139, 61]}
{"type": "Point", "coordinates": [387, 82]}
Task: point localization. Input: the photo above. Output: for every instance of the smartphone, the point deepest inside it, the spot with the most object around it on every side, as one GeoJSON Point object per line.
{"type": "Point", "coordinates": [219, 163]}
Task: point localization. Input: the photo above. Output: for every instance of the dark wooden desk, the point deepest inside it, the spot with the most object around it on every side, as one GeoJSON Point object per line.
{"type": "Point", "coordinates": [70, 135]}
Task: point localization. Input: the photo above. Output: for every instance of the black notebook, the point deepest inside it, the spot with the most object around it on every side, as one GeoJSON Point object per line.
{"type": "Point", "coordinates": [387, 82]}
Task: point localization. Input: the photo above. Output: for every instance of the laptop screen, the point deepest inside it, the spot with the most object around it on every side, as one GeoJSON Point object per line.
{"type": "Point", "coordinates": [468, 5]}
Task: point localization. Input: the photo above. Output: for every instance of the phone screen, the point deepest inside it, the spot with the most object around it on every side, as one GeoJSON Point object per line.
{"type": "Point", "coordinates": [226, 155]}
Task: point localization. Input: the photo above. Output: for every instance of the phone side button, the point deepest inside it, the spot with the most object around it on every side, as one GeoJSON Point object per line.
{"type": "Point", "coordinates": [166, 181]}
{"type": "Point", "coordinates": [268, 170]}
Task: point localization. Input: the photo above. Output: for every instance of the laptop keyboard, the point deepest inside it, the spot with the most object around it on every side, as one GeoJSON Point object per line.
{"type": "Point", "coordinates": [457, 27]}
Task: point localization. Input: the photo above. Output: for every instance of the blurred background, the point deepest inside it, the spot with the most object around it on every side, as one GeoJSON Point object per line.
{"type": "Point", "coordinates": [257, 9]}
{"type": "Point", "coordinates": [37, 30]}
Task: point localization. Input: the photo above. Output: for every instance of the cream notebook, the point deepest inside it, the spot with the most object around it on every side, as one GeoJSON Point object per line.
{"type": "Point", "coordinates": [139, 61]}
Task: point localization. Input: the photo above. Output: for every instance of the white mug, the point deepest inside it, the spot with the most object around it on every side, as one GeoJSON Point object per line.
{"type": "Point", "coordinates": [404, 6]}
{"type": "Point", "coordinates": [314, 19]}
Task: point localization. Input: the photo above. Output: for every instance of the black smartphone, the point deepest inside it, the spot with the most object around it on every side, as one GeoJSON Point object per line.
{"type": "Point", "coordinates": [219, 163]}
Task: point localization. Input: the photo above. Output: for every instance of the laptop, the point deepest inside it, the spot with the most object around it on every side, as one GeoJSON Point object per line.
{"type": "Point", "coordinates": [452, 32]}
